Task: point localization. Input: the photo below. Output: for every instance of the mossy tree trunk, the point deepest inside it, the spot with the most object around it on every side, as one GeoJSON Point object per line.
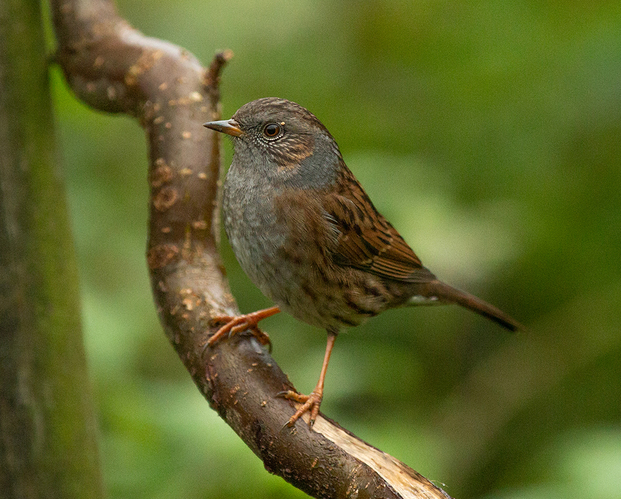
{"type": "Point", "coordinates": [47, 426]}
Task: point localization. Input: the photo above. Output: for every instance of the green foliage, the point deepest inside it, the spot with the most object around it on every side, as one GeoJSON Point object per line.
{"type": "Point", "coordinates": [488, 133]}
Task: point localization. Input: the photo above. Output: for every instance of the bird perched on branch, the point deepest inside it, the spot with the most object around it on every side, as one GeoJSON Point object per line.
{"type": "Point", "coordinates": [309, 237]}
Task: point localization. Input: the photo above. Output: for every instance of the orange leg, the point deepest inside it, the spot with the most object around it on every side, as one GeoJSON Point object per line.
{"type": "Point", "coordinates": [313, 401]}
{"type": "Point", "coordinates": [238, 323]}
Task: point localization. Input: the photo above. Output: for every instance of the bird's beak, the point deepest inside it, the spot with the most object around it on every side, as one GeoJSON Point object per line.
{"type": "Point", "coordinates": [230, 127]}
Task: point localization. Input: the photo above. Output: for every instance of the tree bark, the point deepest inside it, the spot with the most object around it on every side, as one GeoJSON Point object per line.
{"type": "Point", "coordinates": [47, 426]}
{"type": "Point", "coordinates": [114, 68]}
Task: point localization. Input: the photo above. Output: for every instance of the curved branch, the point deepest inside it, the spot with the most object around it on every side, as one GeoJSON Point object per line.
{"type": "Point", "coordinates": [114, 68]}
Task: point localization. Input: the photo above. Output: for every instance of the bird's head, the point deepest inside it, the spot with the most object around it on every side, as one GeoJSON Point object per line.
{"type": "Point", "coordinates": [277, 134]}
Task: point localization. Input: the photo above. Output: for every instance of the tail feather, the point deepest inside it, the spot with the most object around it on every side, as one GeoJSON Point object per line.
{"type": "Point", "coordinates": [449, 294]}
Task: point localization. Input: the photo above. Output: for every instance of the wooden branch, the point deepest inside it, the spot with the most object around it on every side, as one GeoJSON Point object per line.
{"type": "Point", "coordinates": [114, 68]}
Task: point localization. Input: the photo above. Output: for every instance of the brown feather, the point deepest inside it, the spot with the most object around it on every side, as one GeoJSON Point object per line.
{"type": "Point", "coordinates": [449, 294]}
{"type": "Point", "coordinates": [367, 240]}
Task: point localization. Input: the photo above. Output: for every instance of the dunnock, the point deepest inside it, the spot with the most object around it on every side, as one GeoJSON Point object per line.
{"type": "Point", "coordinates": [308, 236]}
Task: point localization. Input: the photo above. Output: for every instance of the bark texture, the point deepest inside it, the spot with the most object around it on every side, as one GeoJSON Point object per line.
{"type": "Point", "coordinates": [47, 426]}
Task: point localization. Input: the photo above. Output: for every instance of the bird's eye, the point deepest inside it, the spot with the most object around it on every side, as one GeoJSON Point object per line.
{"type": "Point", "coordinates": [272, 130]}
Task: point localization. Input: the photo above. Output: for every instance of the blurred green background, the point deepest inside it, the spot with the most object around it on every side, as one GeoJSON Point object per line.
{"type": "Point", "coordinates": [489, 133]}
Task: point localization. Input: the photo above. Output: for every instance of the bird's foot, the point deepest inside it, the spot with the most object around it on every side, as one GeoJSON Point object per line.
{"type": "Point", "coordinates": [237, 323]}
{"type": "Point", "coordinates": [310, 403]}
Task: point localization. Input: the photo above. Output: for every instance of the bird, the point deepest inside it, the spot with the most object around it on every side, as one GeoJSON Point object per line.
{"type": "Point", "coordinates": [307, 235]}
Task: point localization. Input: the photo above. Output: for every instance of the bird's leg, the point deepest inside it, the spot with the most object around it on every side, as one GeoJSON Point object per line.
{"type": "Point", "coordinates": [237, 323]}
{"type": "Point", "coordinates": [312, 402]}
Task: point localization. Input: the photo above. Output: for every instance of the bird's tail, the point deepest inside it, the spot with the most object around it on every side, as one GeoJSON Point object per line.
{"type": "Point", "coordinates": [449, 294]}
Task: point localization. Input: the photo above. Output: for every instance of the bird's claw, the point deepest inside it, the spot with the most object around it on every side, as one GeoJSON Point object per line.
{"type": "Point", "coordinates": [310, 403]}
{"type": "Point", "coordinates": [238, 323]}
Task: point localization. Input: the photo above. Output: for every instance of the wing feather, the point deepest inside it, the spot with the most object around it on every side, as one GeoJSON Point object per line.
{"type": "Point", "coordinates": [367, 240]}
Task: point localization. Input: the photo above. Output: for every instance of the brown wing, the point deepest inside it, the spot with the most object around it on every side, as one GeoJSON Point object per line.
{"type": "Point", "coordinates": [366, 239]}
